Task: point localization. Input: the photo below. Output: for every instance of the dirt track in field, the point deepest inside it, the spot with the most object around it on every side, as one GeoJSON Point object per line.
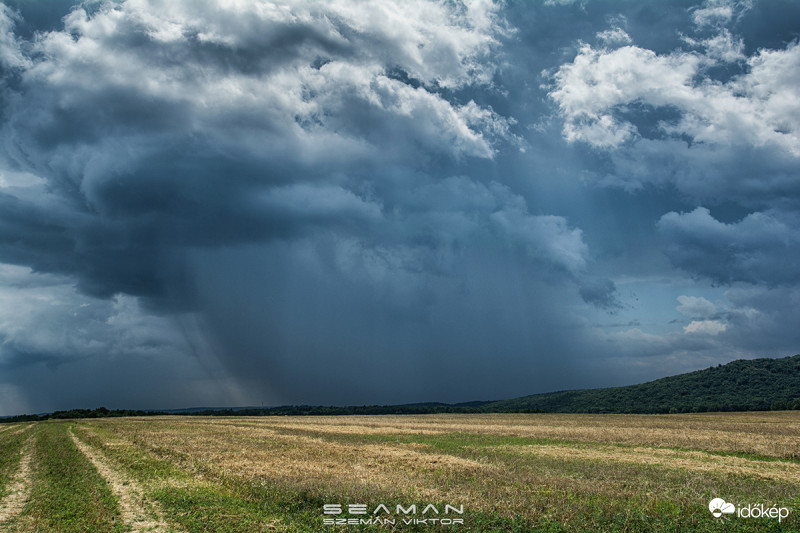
{"type": "Point", "coordinates": [137, 512]}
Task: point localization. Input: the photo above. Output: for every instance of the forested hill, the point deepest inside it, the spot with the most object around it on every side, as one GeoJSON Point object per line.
{"type": "Point", "coordinates": [743, 385]}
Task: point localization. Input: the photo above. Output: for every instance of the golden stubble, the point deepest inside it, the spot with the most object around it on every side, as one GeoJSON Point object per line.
{"type": "Point", "coordinates": [355, 472]}
{"type": "Point", "coordinates": [775, 434]}
{"type": "Point", "coordinates": [599, 456]}
{"type": "Point", "coordinates": [693, 461]}
{"type": "Point", "coordinates": [18, 492]}
{"type": "Point", "coordinates": [264, 455]}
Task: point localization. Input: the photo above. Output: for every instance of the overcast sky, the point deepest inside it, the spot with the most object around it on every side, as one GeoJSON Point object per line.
{"type": "Point", "coordinates": [236, 202]}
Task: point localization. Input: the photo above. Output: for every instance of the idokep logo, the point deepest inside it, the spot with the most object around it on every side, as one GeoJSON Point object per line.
{"type": "Point", "coordinates": [720, 507]}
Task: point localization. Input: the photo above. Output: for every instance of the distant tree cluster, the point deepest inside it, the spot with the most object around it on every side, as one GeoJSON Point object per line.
{"type": "Point", "coordinates": [100, 412]}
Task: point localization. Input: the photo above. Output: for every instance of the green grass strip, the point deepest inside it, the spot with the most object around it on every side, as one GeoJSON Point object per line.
{"type": "Point", "coordinates": [68, 495]}
{"type": "Point", "coordinates": [10, 446]}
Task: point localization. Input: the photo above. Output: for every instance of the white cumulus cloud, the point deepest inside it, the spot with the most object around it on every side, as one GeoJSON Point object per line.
{"type": "Point", "coordinates": [667, 117]}
{"type": "Point", "coordinates": [695, 306]}
{"type": "Point", "coordinates": [705, 327]}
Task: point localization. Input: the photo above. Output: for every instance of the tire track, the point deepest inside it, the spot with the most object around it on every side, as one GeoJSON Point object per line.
{"type": "Point", "coordinates": [141, 514]}
{"type": "Point", "coordinates": [14, 429]}
{"type": "Point", "coordinates": [20, 487]}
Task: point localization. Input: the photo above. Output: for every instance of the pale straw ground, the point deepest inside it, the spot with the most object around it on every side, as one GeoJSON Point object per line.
{"type": "Point", "coordinates": [18, 491]}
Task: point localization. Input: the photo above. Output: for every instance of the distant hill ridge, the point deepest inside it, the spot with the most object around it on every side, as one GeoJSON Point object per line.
{"type": "Point", "coordinates": [742, 385]}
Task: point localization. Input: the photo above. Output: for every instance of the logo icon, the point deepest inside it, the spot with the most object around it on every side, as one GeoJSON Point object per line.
{"type": "Point", "coordinates": [719, 507]}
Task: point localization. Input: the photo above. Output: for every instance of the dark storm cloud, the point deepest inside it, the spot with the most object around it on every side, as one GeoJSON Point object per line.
{"type": "Point", "coordinates": [202, 132]}
{"type": "Point", "coordinates": [150, 142]}
{"type": "Point", "coordinates": [373, 202]}
{"type": "Point", "coordinates": [762, 248]}
{"type": "Point", "coordinates": [600, 292]}
{"type": "Point", "coordinates": [34, 234]}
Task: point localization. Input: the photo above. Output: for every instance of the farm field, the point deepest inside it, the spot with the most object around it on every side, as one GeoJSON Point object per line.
{"type": "Point", "coordinates": [506, 472]}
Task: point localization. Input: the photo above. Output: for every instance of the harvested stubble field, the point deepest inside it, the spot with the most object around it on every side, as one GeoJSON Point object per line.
{"type": "Point", "coordinates": [515, 472]}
